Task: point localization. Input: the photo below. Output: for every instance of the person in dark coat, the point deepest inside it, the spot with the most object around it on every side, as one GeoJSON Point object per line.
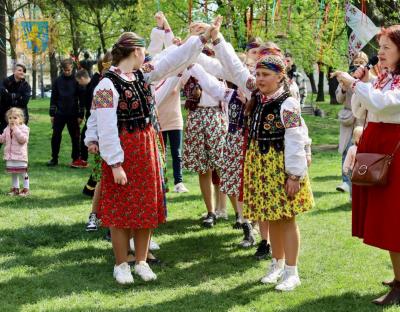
{"type": "Point", "coordinates": [15, 92]}
{"type": "Point", "coordinates": [65, 110]}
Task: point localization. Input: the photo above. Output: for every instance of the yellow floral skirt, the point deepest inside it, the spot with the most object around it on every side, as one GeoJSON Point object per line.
{"type": "Point", "coordinates": [264, 196]}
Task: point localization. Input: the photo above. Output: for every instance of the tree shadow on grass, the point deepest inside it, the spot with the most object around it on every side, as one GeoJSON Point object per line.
{"type": "Point", "coordinates": [319, 194]}
{"type": "Point", "coordinates": [183, 198]}
{"type": "Point", "coordinates": [38, 202]}
{"type": "Point", "coordinates": [349, 301]}
{"type": "Point", "coordinates": [50, 235]}
{"type": "Point", "coordinates": [340, 208]}
{"type": "Point", "coordinates": [189, 260]}
{"type": "Point", "coordinates": [326, 178]}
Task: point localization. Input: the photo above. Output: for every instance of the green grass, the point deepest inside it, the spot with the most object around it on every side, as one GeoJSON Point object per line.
{"type": "Point", "coordinates": [49, 263]}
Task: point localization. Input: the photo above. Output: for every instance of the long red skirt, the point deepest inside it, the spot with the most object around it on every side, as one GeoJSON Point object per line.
{"type": "Point", "coordinates": [376, 209]}
{"type": "Point", "coordinates": [140, 203]}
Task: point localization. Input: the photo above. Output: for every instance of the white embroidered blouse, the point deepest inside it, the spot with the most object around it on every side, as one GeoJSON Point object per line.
{"type": "Point", "coordinates": [102, 123]}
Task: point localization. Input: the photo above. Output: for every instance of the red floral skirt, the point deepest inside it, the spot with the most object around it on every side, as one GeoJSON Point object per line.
{"type": "Point", "coordinates": [140, 204]}
{"type": "Point", "coordinates": [376, 209]}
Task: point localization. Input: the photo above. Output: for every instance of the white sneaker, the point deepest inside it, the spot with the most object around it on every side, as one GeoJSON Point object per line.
{"type": "Point", "coordinates": [220, 214]}
{"type": "Point", "coordinates": [152, 245]}
{"type": "Point", "coordinates": [122, 274]}
{"type": "Point", "coordinates": [275, 272]}
{"type": "Point", "coordinates": [144, 271]}
{"type": "Point", "coordinates": [180, 188]}
{"type": "Point", "coordinates": [290, 280]}
{"type": "Point", "coordinates": [344, 188]}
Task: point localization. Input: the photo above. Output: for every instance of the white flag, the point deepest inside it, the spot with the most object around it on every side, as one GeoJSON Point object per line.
{"type": "Point", "coordinates": [363, 28]}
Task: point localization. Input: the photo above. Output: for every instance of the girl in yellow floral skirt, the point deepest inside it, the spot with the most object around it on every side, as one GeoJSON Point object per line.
{"type": "Point", "coordinates": [276, 184]}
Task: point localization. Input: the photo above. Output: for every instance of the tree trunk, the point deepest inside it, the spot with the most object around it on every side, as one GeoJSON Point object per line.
{"type": "Point", "coordinates": [333, 85]}
{"type": "Point", "coordinates": [101, 32]}
{"type": "Point", "coordinates": [34, 75]}
{"type": "Point", "coordinates": [53, 66]}
{"type": "Point", "coordinates": [3, 49]}
{"type": "Point", "coordinates": [320, 94]}
{"type": "Point", "coordinates": [74, 34]}
{"type": "Point", "coordinates": [312, 82]}
{"type": "Point", "coordinates": [13, 40]}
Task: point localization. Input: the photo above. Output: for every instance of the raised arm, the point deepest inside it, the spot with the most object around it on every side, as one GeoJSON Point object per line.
{"type": "Point", "coordinates": [375, 100]}
{"type": "Point", "coordinates": [176, 60]}
{"type": "Point", "coordinates": [210, 84]}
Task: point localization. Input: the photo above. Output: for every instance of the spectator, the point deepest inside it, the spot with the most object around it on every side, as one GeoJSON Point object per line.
{"type": "Point", "coordinates": [347, 119]}
{"type": "Point", "coordinates": [297, 77]}
{"type": "Point", "coordinates": [65, 110]}
{"type": "Point", "coordinates": [87, 63]}
{"type": "Point", "coordinates": [85, 94]}
{"type": "Point", "coordinates": [15, 92]}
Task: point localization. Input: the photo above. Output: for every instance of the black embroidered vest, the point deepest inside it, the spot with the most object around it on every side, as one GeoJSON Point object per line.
{"type": "Point", "coordinates": [135, 104]}
{"type": "Point", "coordinates": [266, 126]}
{"type": "Point", "coordinates": [192, 91]}
{"type": "Point", "coordinates": [236, 114]}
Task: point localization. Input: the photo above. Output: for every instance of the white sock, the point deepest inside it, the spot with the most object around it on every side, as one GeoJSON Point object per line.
{"type": "Point", "coordinates": [26, 180]}
{"type": "Point", "coordinates": [292, 270]}
{"type": "Point", "coordinates": [15, 180]}
{"type": "Point", "coordinates": [279, 262]}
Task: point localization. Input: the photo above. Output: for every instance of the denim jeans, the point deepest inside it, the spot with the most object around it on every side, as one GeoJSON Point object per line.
{"type": "Point", "coordinates": [175, 141]}
{"type": "Point", "coordinates": [345, 178]}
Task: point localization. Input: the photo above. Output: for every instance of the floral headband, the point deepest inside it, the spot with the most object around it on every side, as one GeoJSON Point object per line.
{"type": "Point", "coordinates": [131, 43]}
{"type": "Point", "coordinates": [272, 62]}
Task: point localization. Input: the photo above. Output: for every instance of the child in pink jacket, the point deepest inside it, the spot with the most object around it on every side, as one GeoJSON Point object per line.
{"type": "Point", "coordinates": [16, 136]}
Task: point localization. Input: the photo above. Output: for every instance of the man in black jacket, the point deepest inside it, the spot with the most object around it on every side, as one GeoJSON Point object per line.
{"type": "Point", "coordinates": [65, 110]}
{"type": "Point", "coordinates": [15, 92]}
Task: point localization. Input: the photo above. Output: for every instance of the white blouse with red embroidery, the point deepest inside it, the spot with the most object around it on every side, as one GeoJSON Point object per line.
{"type": "Point", "coordinates": [381, 98]}
{"type": "Point", "coordinates": [103, 118]}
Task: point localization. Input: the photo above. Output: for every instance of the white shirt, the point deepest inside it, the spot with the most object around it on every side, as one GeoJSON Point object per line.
{"type": "Point", "coordinates": [382, 103]}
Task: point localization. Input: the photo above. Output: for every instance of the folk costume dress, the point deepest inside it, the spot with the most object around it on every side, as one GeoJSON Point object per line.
{"type": "Point", "coordinates": [127, 131]}
{"type": "Point", "coordinates": [376, 209]}
{"type": "Point", "coordinates": [233, 150]}
{"type": "Point", "coordinates": [205, 132]}
{"type": "Point", "coordinates": [275, 150]}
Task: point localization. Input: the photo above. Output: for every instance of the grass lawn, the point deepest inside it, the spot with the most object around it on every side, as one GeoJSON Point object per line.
{"type": "Point", "coordinates": [49, 263]}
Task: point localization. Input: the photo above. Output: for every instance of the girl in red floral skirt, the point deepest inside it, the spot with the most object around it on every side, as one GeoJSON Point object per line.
{"type": "Point", "coordinates": [132, 197]}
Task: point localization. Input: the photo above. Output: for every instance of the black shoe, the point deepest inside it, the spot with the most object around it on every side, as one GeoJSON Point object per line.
{"type": "Point", "coordinates": [248, 239]}
{"type": "Point", "coordinates": [263, 250]}
{"type": "Point", "coordinates": [210, 220]}
{"type": "Point", "coordinates": [88, 191]}
{"type": "Point", "coordinates": [52, 162]}
{"type": "Point", "coordinates": [107, 237]}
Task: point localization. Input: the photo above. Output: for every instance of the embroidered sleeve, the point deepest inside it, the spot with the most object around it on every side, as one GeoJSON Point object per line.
{"type": "Point", "coordinates": [103, 98]}
{"type": "Point", "coordinates": [295, 139]}
{"type": "Point", "coordinates": [291, 119]}
{"type": "Point", "coordinates": [105, 102]}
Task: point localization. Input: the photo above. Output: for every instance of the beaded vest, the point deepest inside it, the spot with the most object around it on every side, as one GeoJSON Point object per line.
{"type": "Point", "coordinates": [135, 104]}
{"type": "Point", "coordinates": [265, 124]}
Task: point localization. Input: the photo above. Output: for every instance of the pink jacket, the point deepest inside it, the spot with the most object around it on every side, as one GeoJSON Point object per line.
{"type": "Point", "coordinates": [16, 143]}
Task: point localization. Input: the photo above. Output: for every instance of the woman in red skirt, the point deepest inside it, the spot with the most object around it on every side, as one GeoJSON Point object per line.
{"type": "Point", "coordinates": [376, 209]}
{"type": "Point", "coordinates": [131, 196]}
